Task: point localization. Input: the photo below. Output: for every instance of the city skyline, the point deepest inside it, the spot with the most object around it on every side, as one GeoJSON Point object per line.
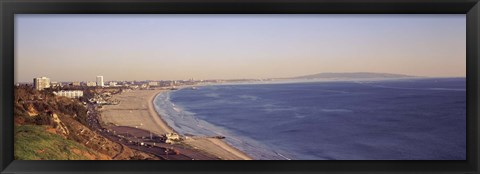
{"type": "Point", "coordinates": [176, 47]}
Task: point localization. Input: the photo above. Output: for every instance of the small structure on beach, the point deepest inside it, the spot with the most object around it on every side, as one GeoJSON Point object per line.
{"type": "Point", "coordinates": [172, 138]}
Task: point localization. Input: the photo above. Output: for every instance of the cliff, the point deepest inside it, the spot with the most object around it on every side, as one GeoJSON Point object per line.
{"type": "Point", "coordinates": [53, 128]}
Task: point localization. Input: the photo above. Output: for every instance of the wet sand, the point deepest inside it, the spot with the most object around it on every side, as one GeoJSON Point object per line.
{"type": "Point", "coordinates": [136, 110]}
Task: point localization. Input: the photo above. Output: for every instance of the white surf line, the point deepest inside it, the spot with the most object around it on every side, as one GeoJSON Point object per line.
{"type": "Point", "coordinates": [422, 89]}
{"type": "Point", "coordinates": [283, 156]}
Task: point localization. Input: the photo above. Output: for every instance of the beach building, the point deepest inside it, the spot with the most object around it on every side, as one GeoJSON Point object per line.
{"type": "Point", "coordinates": [91, 83]}
{"type": "Point", "coordinates": [112, 84]}
{"type": "Point", "coordinates": [152, 83]}
{"type": "Point", "coordinates": [100, 81]}
{"type": "Point", "coordinates": [172, 138]}
{"type": "Point", "coordinates": [41, 83]}
{"type": "Point", "coordinates": [69, 93]}
{"type": "Point", "coordinates": [76, 84]}
{"type": "Point", "coordinates": [55, 84]}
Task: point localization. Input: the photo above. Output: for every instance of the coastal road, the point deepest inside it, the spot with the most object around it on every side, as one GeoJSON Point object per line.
{"type": "Point", "coordinates": [136, 135]}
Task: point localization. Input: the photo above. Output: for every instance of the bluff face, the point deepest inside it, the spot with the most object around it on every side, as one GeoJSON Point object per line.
{"type": "Point", "coordinates": [48, 127]}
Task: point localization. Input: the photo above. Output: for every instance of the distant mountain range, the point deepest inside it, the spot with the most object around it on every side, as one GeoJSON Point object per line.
{"type": "Point", "coordinates": [354, 75]}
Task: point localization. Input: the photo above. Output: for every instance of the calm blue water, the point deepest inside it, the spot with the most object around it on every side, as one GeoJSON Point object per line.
{"type": "Point", "coordinates": [421, 119]}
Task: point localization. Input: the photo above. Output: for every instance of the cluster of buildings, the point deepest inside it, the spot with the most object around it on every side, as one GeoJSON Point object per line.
{"type": "Point", "coordinates": [99, 82]}
{"type": "Point", "coordinates": [70, 93]}
{"type": "Point", "coordinates": [104, 99]}
{"type": "Point", "coordinates": [41, 83]}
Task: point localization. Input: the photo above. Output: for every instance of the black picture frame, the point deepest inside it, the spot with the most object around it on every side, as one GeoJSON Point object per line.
{"type": "Point", "coordinates": [8, 8]}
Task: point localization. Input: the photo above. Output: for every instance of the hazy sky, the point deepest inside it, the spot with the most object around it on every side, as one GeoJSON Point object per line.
{"type": "Point", "coordinates": [163, 47]}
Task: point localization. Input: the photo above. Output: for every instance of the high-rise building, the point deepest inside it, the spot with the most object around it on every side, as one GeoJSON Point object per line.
{"type": "Point", "coordinates": [100, 81]}
{"type": "Point", "coordinates": [41, 83]}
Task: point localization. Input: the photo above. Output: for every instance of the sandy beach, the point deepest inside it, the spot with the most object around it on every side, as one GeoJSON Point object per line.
{"type": "Point", "coordinates": [136, 109]}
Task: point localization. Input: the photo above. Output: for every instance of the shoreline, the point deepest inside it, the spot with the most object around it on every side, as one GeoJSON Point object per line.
{"type": "Point", "coordinates": [200, 143]}
{"type": "Point", "coordinates": [154, 114]}
{"type": "Point", "coordinates": [135, 112]}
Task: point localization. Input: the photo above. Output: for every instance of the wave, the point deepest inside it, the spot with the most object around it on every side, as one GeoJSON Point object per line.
{"type": "Point", "coordinates": [275, 108]}
{"type": "Point", "coordinates": [213, 95]}
{"type": "Point", "coordinates": [248, 97]}
{"type": "Point", "coordinates": [403, 88]}
{"type": "Point", "coordinates": [336, 110]}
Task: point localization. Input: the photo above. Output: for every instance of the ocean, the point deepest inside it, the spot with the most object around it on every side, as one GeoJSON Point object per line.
{"type": "Point", "coordinates": [408, 119]}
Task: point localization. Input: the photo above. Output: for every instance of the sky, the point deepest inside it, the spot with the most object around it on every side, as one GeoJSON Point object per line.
{"type": "Point", "coordinates": [73, 47]}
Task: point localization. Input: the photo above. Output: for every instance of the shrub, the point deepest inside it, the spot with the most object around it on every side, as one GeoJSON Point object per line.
{"type": "Point", "coordinates": [43, 119]}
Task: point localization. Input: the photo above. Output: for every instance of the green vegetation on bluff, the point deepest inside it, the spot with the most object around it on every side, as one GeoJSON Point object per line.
{"type": "Point", "coordinates": [33, 142]}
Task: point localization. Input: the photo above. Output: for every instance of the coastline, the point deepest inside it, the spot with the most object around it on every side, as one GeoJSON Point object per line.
{"type": "Point", "coordinates": [134, 112]}
{"type": "Point", "coordinates": [155, 116]}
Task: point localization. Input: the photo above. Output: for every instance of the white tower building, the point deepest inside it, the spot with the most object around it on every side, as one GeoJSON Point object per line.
{"type": "Point", "coordinates": [100, 81]}
{"type": "Point", "coordinates": [41, 83]}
